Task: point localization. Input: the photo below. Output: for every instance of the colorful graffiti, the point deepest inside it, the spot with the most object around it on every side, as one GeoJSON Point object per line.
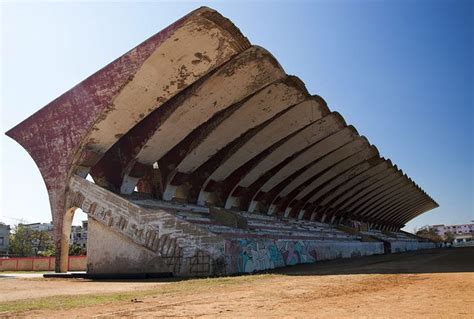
{"type": "Point", "coordinates": [245, 255]}
{"type": "Point", "coordinates": [253, 255]}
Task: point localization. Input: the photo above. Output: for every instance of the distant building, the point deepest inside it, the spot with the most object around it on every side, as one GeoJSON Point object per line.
{"type": "Point", "coordinates": [39, 226]}
{"type": "Point", "coordinates": [79, 235]}
{"type": "Point", "coordinates": [4, 238]}
{"type": "Point", "coordinates": [464, 239]}
{"type": "Point", "coordinates": [460, 229]}
{"type": "Point", "coordinates": [463, 233]}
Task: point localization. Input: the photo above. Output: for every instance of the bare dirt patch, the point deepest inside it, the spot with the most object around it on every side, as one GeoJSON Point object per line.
{"type": "Point", "coordinates": [29, 288]}
{"type": "Point", "coordinates": [431, 284]}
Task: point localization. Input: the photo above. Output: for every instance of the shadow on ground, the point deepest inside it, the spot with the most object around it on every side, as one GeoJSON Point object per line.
{"type": "Point", "coordinates": [443, 260]}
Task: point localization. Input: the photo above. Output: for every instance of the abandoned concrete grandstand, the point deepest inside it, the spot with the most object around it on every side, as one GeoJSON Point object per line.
{"type": "Point", "coordinates": [208, 159]}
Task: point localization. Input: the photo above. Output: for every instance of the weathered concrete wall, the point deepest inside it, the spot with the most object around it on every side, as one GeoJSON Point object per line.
{"type": "Point", "coordinates": [109, 252]}
{"type": "Point", "coordinates": [113, 253]}
{"type": "Point", "coordinates": [121, 231]}
{"type": "Point", "coordinates": [403, 246]}
{"type": "Point", "coordinates": [127, 238]}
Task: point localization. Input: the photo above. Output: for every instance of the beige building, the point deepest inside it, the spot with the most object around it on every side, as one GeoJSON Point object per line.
{"type": "Point", "coordinates": [79, 235]}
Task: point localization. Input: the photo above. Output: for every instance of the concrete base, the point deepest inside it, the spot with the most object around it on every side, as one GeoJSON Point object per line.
{"type": "Point", "coordinates": [111, 253]}
{"type": "Point", "coordinates": [127, 238]}
{"type": "Point", "coordinates": [404, 246]}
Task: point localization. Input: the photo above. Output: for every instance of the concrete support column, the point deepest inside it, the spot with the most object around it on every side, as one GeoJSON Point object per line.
{"type": "Point", "coordinates": [253, 206]}
{"type": "Point", "coordinates": [301, 214]}
{"type": "Point", "coordinates": [323, 218]}
{"type": "Point", "coordinates": [272, 210]}
{"type": "Point", "coordinates": [128, 184]}
{"type": "Point", "coordinates": [64, 242]}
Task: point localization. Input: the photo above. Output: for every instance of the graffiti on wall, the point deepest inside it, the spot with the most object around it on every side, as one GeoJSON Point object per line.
{"type": "Point", "coordinates": [252, 255]}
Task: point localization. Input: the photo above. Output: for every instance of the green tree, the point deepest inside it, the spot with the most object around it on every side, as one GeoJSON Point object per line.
{"type": "Point", "coordinates": [21, 242]}
{"type": "Point", "coordinates": [25, 242]}
{"type": "Point", "coordinates": [49, 252]}
{"type": "Point", "coordinates": [449, 237]}
{"type": "Point", "coordinates": [42, 242]}
{"type": "Point", "coordinates": [76, 250]}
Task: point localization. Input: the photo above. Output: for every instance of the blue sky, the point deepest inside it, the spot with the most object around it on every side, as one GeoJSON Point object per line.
{"type": "Point", "coordinates": [400, 71]}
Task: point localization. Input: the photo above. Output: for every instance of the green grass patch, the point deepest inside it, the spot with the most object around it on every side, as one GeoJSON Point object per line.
{"type": "Point", "coordinates": [64, 302]}
{"type": "Point", "coordinates": [68, 302]}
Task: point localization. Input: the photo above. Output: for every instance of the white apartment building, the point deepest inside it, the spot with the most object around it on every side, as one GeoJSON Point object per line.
{"type": "Point", "coordinates": [460, 229]}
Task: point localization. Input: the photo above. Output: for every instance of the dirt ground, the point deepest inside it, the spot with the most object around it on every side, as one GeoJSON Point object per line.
{"type": "Point", "coordinates": [428, 284]}
{"type": "Point", "coordinates": [26, 288]}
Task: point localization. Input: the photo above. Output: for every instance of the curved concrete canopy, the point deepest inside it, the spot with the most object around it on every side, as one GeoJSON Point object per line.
{"type": "Point", "coordinates": [337, 204]}
{"type": "Point", "coordinates": [320, 193]}
{"type": "Point", "coordinates": [383, 194]}
{"type": "Point", "coordinates": [378, 184]}
{"type": "Point", "coordinates": [353, 186]}
{"type": "Point", "coordinates": [312, 140]}
{"type": "Point", "coordinates": [260, 107]}
{"type": "Point", "coordinates": [415, 206]}
{"type": "Point", "coordinates": [401, 195]}
{"type": "Point", "coordinates": [248, 72]}
{"type": "Point", "coordinates": [252, 149]}
{"type": "Point", "coordinates": [326, 155]}
{"type": "Point", "coordinates": [380, 202]}
{"type": "Point", "coordinates": [402, 220]}
{"type": "Point", "coordinates": [343, 178]}
{"type": "Point", "coordinates": [197, 113]}
{"type": "Point", "coordinates": [384, 210]}
{"type": "Point", "coordinates": [255, 112]}
{"type": "Point", "coordinates": [323, 164]}
{"type": "Point", "coordinates": [352, 182]}
{"type": "Point", "coordinates": [329, 136]}
{"type": "Point", "coordinates": [321, 180]}
{"type": "Point", "coordinates": [407, 210]}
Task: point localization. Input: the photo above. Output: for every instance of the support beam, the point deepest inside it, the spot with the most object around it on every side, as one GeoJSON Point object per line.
{"type": "Point", "coordinates": [235, 160]}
